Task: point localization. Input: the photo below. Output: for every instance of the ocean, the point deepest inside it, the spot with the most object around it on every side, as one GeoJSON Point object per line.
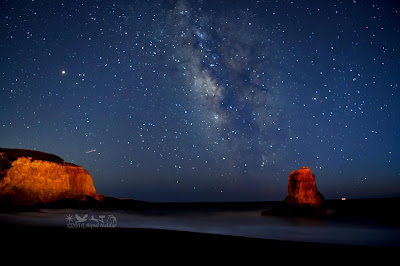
{"type": "Point", "coordinates": [241, 219]}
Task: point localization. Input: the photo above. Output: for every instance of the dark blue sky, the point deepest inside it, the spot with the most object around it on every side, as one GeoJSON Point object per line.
{"type": "Point", "coordinates": [207, 100]}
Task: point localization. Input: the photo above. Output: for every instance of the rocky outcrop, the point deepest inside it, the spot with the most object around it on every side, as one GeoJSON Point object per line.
{"type": "Point", "coordinates": [303, 199]}
{"type": "Point", "coordinates": [31, 177]}
{"type": "Point", "coordinates": [302, 190]}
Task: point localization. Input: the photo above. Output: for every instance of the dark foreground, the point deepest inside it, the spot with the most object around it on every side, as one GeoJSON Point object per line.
{"type": "Point", "coordinates": [155, 245]}
{"type": "Point", "coordinates": [133, 243]}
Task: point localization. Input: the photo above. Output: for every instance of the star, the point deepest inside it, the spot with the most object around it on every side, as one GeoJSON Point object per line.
{"type": "Point", "coordinates": [206, 88]}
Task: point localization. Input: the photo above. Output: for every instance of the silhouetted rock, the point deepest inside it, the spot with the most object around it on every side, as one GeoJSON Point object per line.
{"type": "Point", "coordinates": [32, 177]}
{"type": "Point", "coordinates": [302, 190]}
{"type": "Point", "coordinates": [111, 203]}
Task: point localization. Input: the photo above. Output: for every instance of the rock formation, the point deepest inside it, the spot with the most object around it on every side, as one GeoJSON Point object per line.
{"type": "Point", "coordinates": [302, 190]}
{"type": "Point", "coordinates": [30, 177]}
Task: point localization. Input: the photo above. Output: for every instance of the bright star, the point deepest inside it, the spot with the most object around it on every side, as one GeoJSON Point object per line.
{"type": "Point", "coordinates": [63, 72]}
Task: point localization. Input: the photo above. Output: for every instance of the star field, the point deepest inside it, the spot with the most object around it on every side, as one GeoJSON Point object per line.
{"type": "Point", "coordinates": [207, 100]}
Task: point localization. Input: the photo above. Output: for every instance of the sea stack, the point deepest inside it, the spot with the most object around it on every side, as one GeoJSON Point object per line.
{"type": "Point", "coordinates": [30, 177]}
{"type": "Point", "coordinates": [302, 191]}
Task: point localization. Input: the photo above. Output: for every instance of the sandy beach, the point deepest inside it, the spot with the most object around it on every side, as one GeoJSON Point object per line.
{"type": "Point", "coordinates": [130, 242]}
{"type": "Point", "coordinates": [225, 230]}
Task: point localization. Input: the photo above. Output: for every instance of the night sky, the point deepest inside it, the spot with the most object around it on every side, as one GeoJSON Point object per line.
{"type": "Point", "coordinates": [207, 100]}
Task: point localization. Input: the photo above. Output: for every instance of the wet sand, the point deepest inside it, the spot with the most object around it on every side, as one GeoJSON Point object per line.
{"type": "Point", "coordinates": [170, 245]}
{"type": "Point", "coordinates": [134, 243]}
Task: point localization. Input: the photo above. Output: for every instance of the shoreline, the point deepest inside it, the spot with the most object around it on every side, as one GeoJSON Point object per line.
{"type": "Point", "coordinates": [159, 245]}
{"type": "Point", "coordinates": [27, 234]}
{"type": "Point", "coordinates": [161, 238]}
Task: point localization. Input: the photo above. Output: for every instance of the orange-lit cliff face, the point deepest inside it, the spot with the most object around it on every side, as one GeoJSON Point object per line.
{"type": "Point", "coordinates": [27, 180]}
{"type": "Point", "coordinates": [302, 190]}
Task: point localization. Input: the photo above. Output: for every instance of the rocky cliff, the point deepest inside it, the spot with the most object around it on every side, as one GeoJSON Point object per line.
{"type": "Point", "coordinates": [30, 177]}
{"type": "Point", "coordinates": [302, 190]}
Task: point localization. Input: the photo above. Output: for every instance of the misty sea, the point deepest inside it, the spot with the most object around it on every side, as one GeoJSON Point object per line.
{"type": "Point", "coordinates": [247, 222]}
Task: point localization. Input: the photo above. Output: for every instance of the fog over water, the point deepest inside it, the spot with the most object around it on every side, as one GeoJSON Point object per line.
{"type": "Point", "coordinates": [247, 223]}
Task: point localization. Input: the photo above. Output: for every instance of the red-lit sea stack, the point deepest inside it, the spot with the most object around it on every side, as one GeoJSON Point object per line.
{"type": "Point", "coordinates": [302, 190]}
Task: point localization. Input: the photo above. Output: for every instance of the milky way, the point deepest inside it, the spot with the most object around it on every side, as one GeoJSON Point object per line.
{"type": "Point", "coordinates": [206, 100]}
{"type": "Point", "coordinates": [229, 76]}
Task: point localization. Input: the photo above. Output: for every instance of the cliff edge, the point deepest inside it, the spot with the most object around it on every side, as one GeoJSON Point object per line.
{"type": "Point", "coordinates": [30, 177]}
